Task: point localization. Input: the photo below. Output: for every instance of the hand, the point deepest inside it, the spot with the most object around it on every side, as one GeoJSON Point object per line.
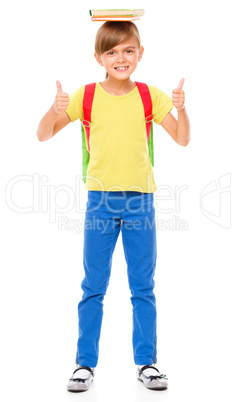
{"type": "Point", "coordinates": [61, 100]}
{"type": "Point", "coordinates": [178, 96]}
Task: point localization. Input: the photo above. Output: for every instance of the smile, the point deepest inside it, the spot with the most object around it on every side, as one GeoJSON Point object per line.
{"type": "Point", "coordinates": [121, 68]}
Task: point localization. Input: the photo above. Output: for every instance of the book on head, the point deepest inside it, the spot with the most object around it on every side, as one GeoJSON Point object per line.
{"type": "Point", "coordinates": [116, 14]}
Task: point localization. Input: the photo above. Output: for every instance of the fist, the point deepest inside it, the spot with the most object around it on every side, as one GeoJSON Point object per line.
{"type": "Point", "coordinates": [61, 100]}
{"type": "Point", "coordinates": [178, 96]}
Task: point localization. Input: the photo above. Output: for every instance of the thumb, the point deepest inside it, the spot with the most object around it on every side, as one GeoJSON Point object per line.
{"type": "Point", "coordinates": [181, 83]}
{"type": "Point", "coordinates": [59, 88]}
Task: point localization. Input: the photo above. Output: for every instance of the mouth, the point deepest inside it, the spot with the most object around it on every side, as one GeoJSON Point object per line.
{"type": "Point", "coordinates": [121, 68]}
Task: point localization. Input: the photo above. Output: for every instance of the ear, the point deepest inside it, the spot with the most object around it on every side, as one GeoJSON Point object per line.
{"type": "Point", "coordinates": [141, 50]}
{"type": "Point", "coordinates": [98, 58]}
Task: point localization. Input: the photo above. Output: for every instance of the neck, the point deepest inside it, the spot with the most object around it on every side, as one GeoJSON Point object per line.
{"type": "Point", "coordinates": [118, 87]}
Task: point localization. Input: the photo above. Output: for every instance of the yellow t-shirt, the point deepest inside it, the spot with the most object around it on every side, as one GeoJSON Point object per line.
{"type": "Point", "coordinates": [119, 156]}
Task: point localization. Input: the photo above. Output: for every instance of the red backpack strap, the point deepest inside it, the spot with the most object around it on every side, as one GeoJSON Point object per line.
{"type": "Point", "coordinates": [87, 108]}
{"type": "Point", "coordinates": [147, 104]}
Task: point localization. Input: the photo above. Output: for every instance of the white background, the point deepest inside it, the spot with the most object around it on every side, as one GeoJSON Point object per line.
{"type": "Point", "coordinates": [41, 268]}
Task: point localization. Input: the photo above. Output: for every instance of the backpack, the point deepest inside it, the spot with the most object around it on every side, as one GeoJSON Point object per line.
{"type": "Point", "coordinates": [85, 124]}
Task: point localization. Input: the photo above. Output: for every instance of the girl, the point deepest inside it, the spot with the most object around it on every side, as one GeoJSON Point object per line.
{"type": "Point", "coordinates": [121, 188]}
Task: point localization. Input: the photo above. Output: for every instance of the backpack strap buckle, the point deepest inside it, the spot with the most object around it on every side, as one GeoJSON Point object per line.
{"type": "Point", "coordinates": [149, 118]}
{"type": "Point", "coordinates": [86, 123]}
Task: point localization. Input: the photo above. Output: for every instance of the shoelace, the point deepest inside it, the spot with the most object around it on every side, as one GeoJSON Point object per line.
{"type": "Point", "coordinates": [79, 379]}
{"type": "Point", "coordinates": [155, 377]}
{"type": "Point", "coordinates": [152, 377]}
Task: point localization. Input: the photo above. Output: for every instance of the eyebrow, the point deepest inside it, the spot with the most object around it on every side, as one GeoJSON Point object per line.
{"type": "Point", "coordinates": [127, 47]}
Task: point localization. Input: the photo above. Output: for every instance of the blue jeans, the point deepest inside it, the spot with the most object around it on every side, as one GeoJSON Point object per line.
{"type": "Point", "coordinates": [108, 213]}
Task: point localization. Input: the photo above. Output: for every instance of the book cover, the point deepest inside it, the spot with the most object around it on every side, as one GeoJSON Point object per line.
{"type": "Point", "coordinates": [117, 13]}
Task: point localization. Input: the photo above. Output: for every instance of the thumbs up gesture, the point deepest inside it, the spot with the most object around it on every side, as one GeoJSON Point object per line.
{"type": "Point", "coordinates": [61, 100]}
{"type": "Point", "coordinates": [178, 96]}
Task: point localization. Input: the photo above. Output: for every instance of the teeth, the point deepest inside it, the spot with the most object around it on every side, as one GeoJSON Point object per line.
{"type": "Point", "coordinates": [121, 68]}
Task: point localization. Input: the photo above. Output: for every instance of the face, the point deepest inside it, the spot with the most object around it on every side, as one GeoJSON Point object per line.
{"type": "Point", "coordinates": [121, 61]}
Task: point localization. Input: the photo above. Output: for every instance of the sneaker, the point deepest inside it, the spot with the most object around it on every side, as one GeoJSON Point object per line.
{"type": "Point", "coordinates": [151, 377]}
{"type": "Point", "coordinates": [80, 381]}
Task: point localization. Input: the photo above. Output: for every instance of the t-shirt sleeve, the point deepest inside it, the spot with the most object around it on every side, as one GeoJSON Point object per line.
{"type": "Point", "coordinates": [161, 104]}
{"type": "Point", "coordinates": [75, 107]}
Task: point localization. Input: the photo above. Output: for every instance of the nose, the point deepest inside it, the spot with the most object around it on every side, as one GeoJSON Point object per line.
{"type": "Point", "coordinates": [121, 57]}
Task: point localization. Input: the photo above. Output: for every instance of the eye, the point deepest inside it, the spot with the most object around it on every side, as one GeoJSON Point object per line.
{"type": "Point", "coordinates": [111, 53]}
{"type": "Point", "coordinates": [129, 51]}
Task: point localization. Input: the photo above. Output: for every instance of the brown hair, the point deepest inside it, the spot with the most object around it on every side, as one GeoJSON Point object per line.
{"type": "Point", "coordinates": [112, 33]}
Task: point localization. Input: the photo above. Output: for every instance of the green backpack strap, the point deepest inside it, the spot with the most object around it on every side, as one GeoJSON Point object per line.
{"type": "Point", "coordinates": [85, 155]}
{"type": "Point", "coordinates": [150, 145]}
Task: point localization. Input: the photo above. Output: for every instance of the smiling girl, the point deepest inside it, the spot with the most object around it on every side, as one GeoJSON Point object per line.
{"type": "Point", "coordinates": [121, 187]}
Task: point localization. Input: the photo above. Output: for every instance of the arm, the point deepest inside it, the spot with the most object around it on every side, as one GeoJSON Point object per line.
{"type": "Point", "coordinates": [51, 123]}
{"type": "Point", "coordinates": [56, 118]}
{"type": "Point", "coordinates": [178, 129]}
